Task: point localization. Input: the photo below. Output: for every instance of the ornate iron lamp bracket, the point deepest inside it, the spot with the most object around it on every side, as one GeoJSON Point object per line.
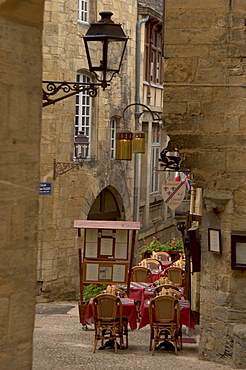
{"type": "Point", "coordinates": [51, 88]}
{"type": "Point", "coordinates": [62, 167]}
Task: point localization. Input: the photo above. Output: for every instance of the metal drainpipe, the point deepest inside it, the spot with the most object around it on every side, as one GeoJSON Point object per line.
{"type": "Point", "coordinates": [137, 113]}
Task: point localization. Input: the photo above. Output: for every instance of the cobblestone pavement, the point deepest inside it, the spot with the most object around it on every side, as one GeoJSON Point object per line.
{"type": "Point", "coordinates": [60, 343]}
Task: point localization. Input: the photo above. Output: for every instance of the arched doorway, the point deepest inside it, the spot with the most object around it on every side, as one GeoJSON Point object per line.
{"type": "Point", "coordinates": [105, 207]}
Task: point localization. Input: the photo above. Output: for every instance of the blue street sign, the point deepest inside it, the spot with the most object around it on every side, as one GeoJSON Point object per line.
{"type": "Point", "coordinates": [45, 188]}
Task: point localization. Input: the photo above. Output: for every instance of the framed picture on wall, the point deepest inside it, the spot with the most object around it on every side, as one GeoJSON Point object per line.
{"type": "Point", "coordinates": [238, 250]}
{"type": "Point", "coordinates": [214, 240]}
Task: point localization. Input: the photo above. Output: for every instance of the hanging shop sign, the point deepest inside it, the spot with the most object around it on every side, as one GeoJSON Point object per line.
{"type": "Point", "coordinates": [173, 193]}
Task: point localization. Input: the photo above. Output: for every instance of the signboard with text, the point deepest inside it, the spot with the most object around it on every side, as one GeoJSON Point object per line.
{"type": "Point", "coordinates": [45, 188]}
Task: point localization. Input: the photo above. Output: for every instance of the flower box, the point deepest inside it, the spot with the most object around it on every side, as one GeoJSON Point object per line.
{"type": "Point", "coordinates": [174, 255]}
{"type": "Point", "coordinates": [174, 248]}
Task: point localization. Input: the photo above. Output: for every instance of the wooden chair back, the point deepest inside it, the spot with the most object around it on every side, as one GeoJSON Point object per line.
{"type": "Point", "coordinates": [166, 309]}
{"type": "Point", "coordinates": [151, 263]}
{"type": "Point", "coordinates": [175, 274]}
{"type": "Point", "coordinates": [161, 256]}
{"type": "Point", "coordinates": [104, 307]}
{"type": "Point", "coordinates": [140, 274]}
{"type": "Point", "coordinates": [164, 315]}
{"type": "Point", "coordinates": [107, 314]}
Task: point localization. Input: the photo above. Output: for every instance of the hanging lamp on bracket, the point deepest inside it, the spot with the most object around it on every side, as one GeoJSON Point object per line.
{"type": "Point", "coordinates": [138, 142]}
{"type": "Point", "coordinates": [124, 145]}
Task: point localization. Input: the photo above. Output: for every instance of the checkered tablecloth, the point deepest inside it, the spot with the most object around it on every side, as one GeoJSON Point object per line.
{"type": "Point", "coordinates": [135, 285]}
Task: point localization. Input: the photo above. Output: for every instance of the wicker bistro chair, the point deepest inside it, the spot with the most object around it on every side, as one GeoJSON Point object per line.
{"type": "Point", "coordinates": [164, 314]}
{"type": "Point", "coordinates": [175, 274]}
{"type": "Point", "coordinates": [121, 294]}
{"type": "Point", "coordinates": [152, 263]}
{"type": "Point", "coordinates": [161, 256]}
{"type": "Point", "coordinates": [140, 274]}
{"type": "Point", "coordinates": [107, 321]}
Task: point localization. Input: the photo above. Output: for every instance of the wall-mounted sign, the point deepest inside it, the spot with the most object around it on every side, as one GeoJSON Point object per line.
{"type": "Point", "coordinates": [214, 240]}
{"type": "Point", "coordinates": [238, 250]}
{"type": "Point", "coordinates": [45, 188]}
{"type": "Point", "coordinates": [173, 193]}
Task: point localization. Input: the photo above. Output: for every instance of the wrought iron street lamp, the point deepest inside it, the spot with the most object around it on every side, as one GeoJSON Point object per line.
{"type": "Point", "coordinates": [105, 45]}
{"type": "Point", "coordinates": [81, 148]}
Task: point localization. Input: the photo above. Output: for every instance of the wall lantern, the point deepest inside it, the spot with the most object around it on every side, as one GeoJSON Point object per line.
{"type": "Point", "coordinates": [81, 147]}
{"type": "Point", "coordinates": [138, 142]}
{"type": "Point", "coordinates": [124, 144]}
{"type": "Point", "coordinates": [105, 45]}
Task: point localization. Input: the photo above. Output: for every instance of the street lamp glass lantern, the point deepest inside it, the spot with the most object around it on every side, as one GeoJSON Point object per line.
{"type": "Point", "coordinates": [138, 143]}
{"type": "Point", "coordinates": [81, 146]}
{"type": "Point", "coordinates": [105, 44]}
{"type": "Point", "coordinates": [123, 145]}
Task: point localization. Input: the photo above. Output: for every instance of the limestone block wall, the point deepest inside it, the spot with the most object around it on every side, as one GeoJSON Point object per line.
{"type": "Point", "coordinates": [204, 113]}
{"type": "Point", "coordinates": [20, 107]}
{"type": "Point", "coordinates": [74, 192]}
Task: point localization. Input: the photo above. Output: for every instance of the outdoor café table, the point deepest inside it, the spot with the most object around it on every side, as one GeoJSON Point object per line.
{"type": "Point", "coordinates": [128, 309]}
{"type": "Point", "coordinates": [166, 264]}
{"type": "Point", "coordinates": [137, 290]}
{"type": "Point", "coordinates": [156, 275]}
{"type": "Point", "coordinates": [185, 314]}
{"type": "Point", "coordinates": [148, 292]}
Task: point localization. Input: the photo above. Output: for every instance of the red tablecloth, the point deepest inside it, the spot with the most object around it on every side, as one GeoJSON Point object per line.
{"type": "Point", "coordinates": [128, 309]}
{"type": "Point", "coordinates": [185, 314]}
{"type": "Point", "coordinates": [166, 264]}
{"type": "Point", "coordinates": [148, 293]}
{"type": "Point", "coordinates": [156, 275]}
{"type": "Point", "coordinates": [137, 290]}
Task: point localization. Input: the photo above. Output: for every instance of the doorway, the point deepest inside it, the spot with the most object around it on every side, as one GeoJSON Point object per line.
{"type": "Point", "coordinates": [105, 207]}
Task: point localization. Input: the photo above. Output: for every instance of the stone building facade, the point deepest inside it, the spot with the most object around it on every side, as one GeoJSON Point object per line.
{"type": "Point", "coordinates": [20, 106]}
{"type": "Point", "coordinates": [104, 188]}
{"type": "Point", "coordinates": [205, 116]}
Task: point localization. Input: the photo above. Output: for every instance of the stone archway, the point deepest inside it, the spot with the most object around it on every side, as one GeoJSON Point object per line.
{"type": "Point", "coordinates": [106, 206]}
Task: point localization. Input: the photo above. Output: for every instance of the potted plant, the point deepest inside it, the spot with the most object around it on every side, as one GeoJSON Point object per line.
{"type": "Point", "coordinates": [175, 247]}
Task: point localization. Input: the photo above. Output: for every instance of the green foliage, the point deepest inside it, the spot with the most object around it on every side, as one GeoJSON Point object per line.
{"type": "Point", "coordinates": [175, 245]}
{"type": "Point", "coordinates": [92, 290]}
